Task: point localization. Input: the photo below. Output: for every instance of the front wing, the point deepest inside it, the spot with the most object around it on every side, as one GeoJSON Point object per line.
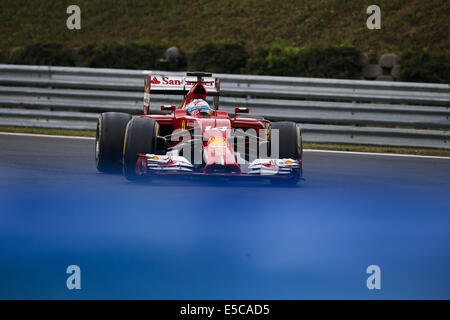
{"type": "Point", "coordinates": [152, 164]}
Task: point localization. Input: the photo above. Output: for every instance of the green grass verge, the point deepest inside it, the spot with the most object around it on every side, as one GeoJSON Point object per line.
{"type": "Point", "coordinates": [61, 132]}
{"type": "Point", "coordinates": [405, 25]}
{"type": "Point", "coordinates": [317, 146]}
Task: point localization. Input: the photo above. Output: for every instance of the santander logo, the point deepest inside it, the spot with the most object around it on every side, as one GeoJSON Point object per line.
{"type": "Point", "coordinates": [205, 83]}
{"type": "Point", "coordinates": [155, 81]}
{"type": "Point", "coordinates": [173, 81]}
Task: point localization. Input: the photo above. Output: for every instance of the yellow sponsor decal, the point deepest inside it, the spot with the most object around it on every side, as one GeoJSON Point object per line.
{"type": "Point", "coordinates": [125, 138]}
{"type": "Point", "coordinates": [218, 141]}
{"type": "Point", "coordinates": [97, 147]}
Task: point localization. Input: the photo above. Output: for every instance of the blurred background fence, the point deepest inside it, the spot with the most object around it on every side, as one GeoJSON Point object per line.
{"type": "Point", "coordinates": [402, 114]}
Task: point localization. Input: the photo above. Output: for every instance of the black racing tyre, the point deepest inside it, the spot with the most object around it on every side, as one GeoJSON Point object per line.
{"type": "Point", "coordinates": [109, 141]}
{"type": "Point", "coordinates": [140, 137]}
{"type": "Point", "coordinates": [290, 139]}
{"type": "Point", "coordinates": [290, 146]}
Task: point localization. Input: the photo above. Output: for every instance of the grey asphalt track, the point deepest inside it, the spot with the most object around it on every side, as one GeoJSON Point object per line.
{"type": "Point", "coordinates": [62, 160]}
{"type": "Point", "coordinates": [193, 240]}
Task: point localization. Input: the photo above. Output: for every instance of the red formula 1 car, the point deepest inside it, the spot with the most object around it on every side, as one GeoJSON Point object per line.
{"type": "Point", "coordinates": [194, 139]}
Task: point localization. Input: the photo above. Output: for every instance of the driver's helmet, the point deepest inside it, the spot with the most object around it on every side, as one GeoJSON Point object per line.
{"type": "Point", "coordinates": [198, 107]}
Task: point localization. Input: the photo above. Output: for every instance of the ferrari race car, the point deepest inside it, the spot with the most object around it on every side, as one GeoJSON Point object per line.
{"type": "Point", "coordinates": [194, 139]}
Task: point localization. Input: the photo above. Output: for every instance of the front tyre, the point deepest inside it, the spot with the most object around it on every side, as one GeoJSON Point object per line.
{"type": "Point", "coordinates": [290, 140]}
{"type": "Point", "coordinates": [290, 145]}
{"type": "Point", "coordinates": [109, 141]}
{"type": "Point", "coordinates": [140, 137]}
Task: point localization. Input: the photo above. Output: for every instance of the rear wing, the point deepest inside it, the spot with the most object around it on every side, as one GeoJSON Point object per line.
{"type": "Point", "coordinates": [179, 85]}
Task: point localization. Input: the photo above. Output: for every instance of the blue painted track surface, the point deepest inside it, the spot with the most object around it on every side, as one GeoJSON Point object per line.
{"type": "Point", "coordinates": [195, 240]}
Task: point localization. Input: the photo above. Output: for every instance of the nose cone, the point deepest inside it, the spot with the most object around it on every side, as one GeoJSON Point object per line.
{"type": "Point", "coordinates": [220, 156]}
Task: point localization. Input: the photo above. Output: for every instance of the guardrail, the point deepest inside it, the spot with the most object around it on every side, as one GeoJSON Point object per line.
{"type": "Point", "coordinates": [329, 110]}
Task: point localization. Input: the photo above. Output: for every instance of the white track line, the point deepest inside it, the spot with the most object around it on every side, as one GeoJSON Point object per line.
{"type": "Point", "coordinates": [378, 154]}
{"type": "Point", "coordinates": [307, 150]}
{"type": "Point", "coordinates": [45, 135]}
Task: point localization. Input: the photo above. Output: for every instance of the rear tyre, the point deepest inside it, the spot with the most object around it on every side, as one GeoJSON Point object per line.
{"type": "Point", "coordinates": [140, 137]}
{"type": "Point", "coordinates": [290, 146]}
{"type": "Point", "coordinates": [109, 141]}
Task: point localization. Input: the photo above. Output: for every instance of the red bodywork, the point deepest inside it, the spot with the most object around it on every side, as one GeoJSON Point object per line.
{"type": "Point", "coordinates": [216, 128]}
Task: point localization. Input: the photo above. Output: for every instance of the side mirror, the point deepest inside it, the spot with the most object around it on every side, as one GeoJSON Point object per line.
{"type": "Point", "coordinates": [168, 108]}
{"type": "Point", "coordinates": [240, 110]}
